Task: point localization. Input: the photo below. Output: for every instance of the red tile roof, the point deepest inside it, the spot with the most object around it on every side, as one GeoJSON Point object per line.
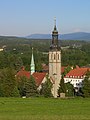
{"type": "Point", "coordinates": [22, 73]}
{"type": "Point", "coordinates": [77, 72]}
{"type": "Point", "coordinates": [38, 76]}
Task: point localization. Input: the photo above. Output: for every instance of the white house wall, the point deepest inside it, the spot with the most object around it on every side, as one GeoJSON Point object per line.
{"type": "Point", "coordinates": [76, 82]}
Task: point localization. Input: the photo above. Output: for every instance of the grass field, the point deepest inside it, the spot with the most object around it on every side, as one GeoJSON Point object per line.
{"type": "Point", "coordinates": [44, 109]}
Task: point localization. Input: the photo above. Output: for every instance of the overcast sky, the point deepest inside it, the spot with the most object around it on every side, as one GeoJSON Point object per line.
{"type": "Point", "coordinates": [25, 17]}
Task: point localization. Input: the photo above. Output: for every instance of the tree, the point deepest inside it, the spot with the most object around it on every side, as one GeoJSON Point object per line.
{"type": "Point", "coordinates": [21, 83]}
{"type": "Point", "coordinates": [69, 89]}
{"type": "Point", "coordinates": [8, 86]}
{"type": "Point", "coordinates": [86, 85]}
{"type": "Point", "coordinates": [67, 69]}
{"type": "Point", "coordinates": [31, 88]}
{"type": "Point", "coordinates": [15, 92]}
{"type": "Point", "coordinates": [46, 88]}
{"type": "Point", "coordinates": [15, 62]}
{"type": "Point", "coordinates": [62, 88]}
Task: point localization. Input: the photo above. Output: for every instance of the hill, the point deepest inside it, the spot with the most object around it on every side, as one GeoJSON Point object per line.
{"type": "Point", "coordinates": [69, 36]}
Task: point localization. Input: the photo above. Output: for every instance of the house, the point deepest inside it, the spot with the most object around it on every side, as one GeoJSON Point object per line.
{"type": "Point", "coordinates": [40, 77]}
{"type": "Point", "coordinates": [76, 77]}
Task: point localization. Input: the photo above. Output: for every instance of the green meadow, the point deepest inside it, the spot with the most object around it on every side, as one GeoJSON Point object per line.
{"type": "Point", "coordinates": [44, 109]}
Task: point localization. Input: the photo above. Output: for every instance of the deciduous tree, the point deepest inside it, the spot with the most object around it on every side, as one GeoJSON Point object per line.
{"type": "Point", "coordinates": [86, 85]}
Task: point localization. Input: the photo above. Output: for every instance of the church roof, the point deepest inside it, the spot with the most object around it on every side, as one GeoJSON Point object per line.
{"type": "Point", "coordinates": [23, 72]}
{"type": "Point", "coordinates": [39, 76]}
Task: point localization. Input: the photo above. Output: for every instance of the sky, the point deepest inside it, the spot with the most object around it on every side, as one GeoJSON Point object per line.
{"type": "Point", "coordinates": [25, 17]}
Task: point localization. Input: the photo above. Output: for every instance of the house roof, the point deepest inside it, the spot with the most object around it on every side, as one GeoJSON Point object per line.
{"type": "Point", "coordinates": [22, 73]}
{"type": "Point", "coordinates": [38, 76]}
{"type": "Point", "coordinates": [77, 72]}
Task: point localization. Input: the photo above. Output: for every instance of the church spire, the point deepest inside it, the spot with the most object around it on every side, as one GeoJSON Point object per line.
{"type": "Point", "coordinates": [55, 24]}
{"type": "Point", "coordinates": [32, 64]}
{"type": "Point", "coordinates": [54, 44]}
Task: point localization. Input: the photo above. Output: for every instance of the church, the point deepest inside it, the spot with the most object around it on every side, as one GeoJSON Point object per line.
{"type": "Point", "coordinates": [54, 65]}
{"type": "Point", "coordinates": [55, 62]}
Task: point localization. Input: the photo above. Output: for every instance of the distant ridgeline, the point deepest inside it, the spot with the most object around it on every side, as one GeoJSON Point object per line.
{"type": "Point", "coordinates": [69, 36]}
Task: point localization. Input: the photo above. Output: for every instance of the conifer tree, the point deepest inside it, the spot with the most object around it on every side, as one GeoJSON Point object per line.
{"type": "Point", "coordinates": [8, 86]}
{"type": "Point", "coordinates": [46, 88]}
{"type": "Point", "coordinates": [31, 88]}
{"type": "Point", "coordinates": [21, 83]}
{"type": "Point", "coordinates": [62, 88]}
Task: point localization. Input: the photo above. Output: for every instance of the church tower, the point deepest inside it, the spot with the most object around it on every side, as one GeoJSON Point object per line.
{"type": "Point", "coordinates": [32, 64]}
{"type": "Point", "coordinates": [55, 62]}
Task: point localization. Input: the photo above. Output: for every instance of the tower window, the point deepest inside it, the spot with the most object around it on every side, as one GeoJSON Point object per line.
{"type": "Point", "coordinates": [58, 56]}
{"type": "Point", "coordinates": [54, 56]}
{"type": "Point", "coordinates": [51, 56]}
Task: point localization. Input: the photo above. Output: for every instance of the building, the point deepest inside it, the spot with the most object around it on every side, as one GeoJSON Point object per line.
{"type": "Point", "coordinates": [55, 62]}
{"type": "Point", "coordinates": [54, 67]}
{"type": "Point", "coordinates": [76, 77]}
{"type": "Point", "coordinates": [38, 76]}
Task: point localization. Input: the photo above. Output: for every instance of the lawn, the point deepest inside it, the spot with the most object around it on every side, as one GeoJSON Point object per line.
{"type": "Point", "coordinates": [44, 109]}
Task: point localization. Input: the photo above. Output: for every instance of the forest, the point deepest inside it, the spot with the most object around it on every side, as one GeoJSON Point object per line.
{"type": "Point", "coordinates": [17, 52]}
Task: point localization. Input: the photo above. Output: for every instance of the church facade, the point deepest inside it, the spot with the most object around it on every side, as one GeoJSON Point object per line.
{"type": "Point", "coordinates": [55, 62]}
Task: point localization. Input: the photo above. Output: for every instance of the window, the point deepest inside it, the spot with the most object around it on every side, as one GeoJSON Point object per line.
{"type": "Point", "coordinates": [77, 84]}
{"type": "Point", "coordinates": [54, 56]}
{"type": "Point", "coordinates": [51, 56]}
{"type": "Point", "coordinates": [58, 56]}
